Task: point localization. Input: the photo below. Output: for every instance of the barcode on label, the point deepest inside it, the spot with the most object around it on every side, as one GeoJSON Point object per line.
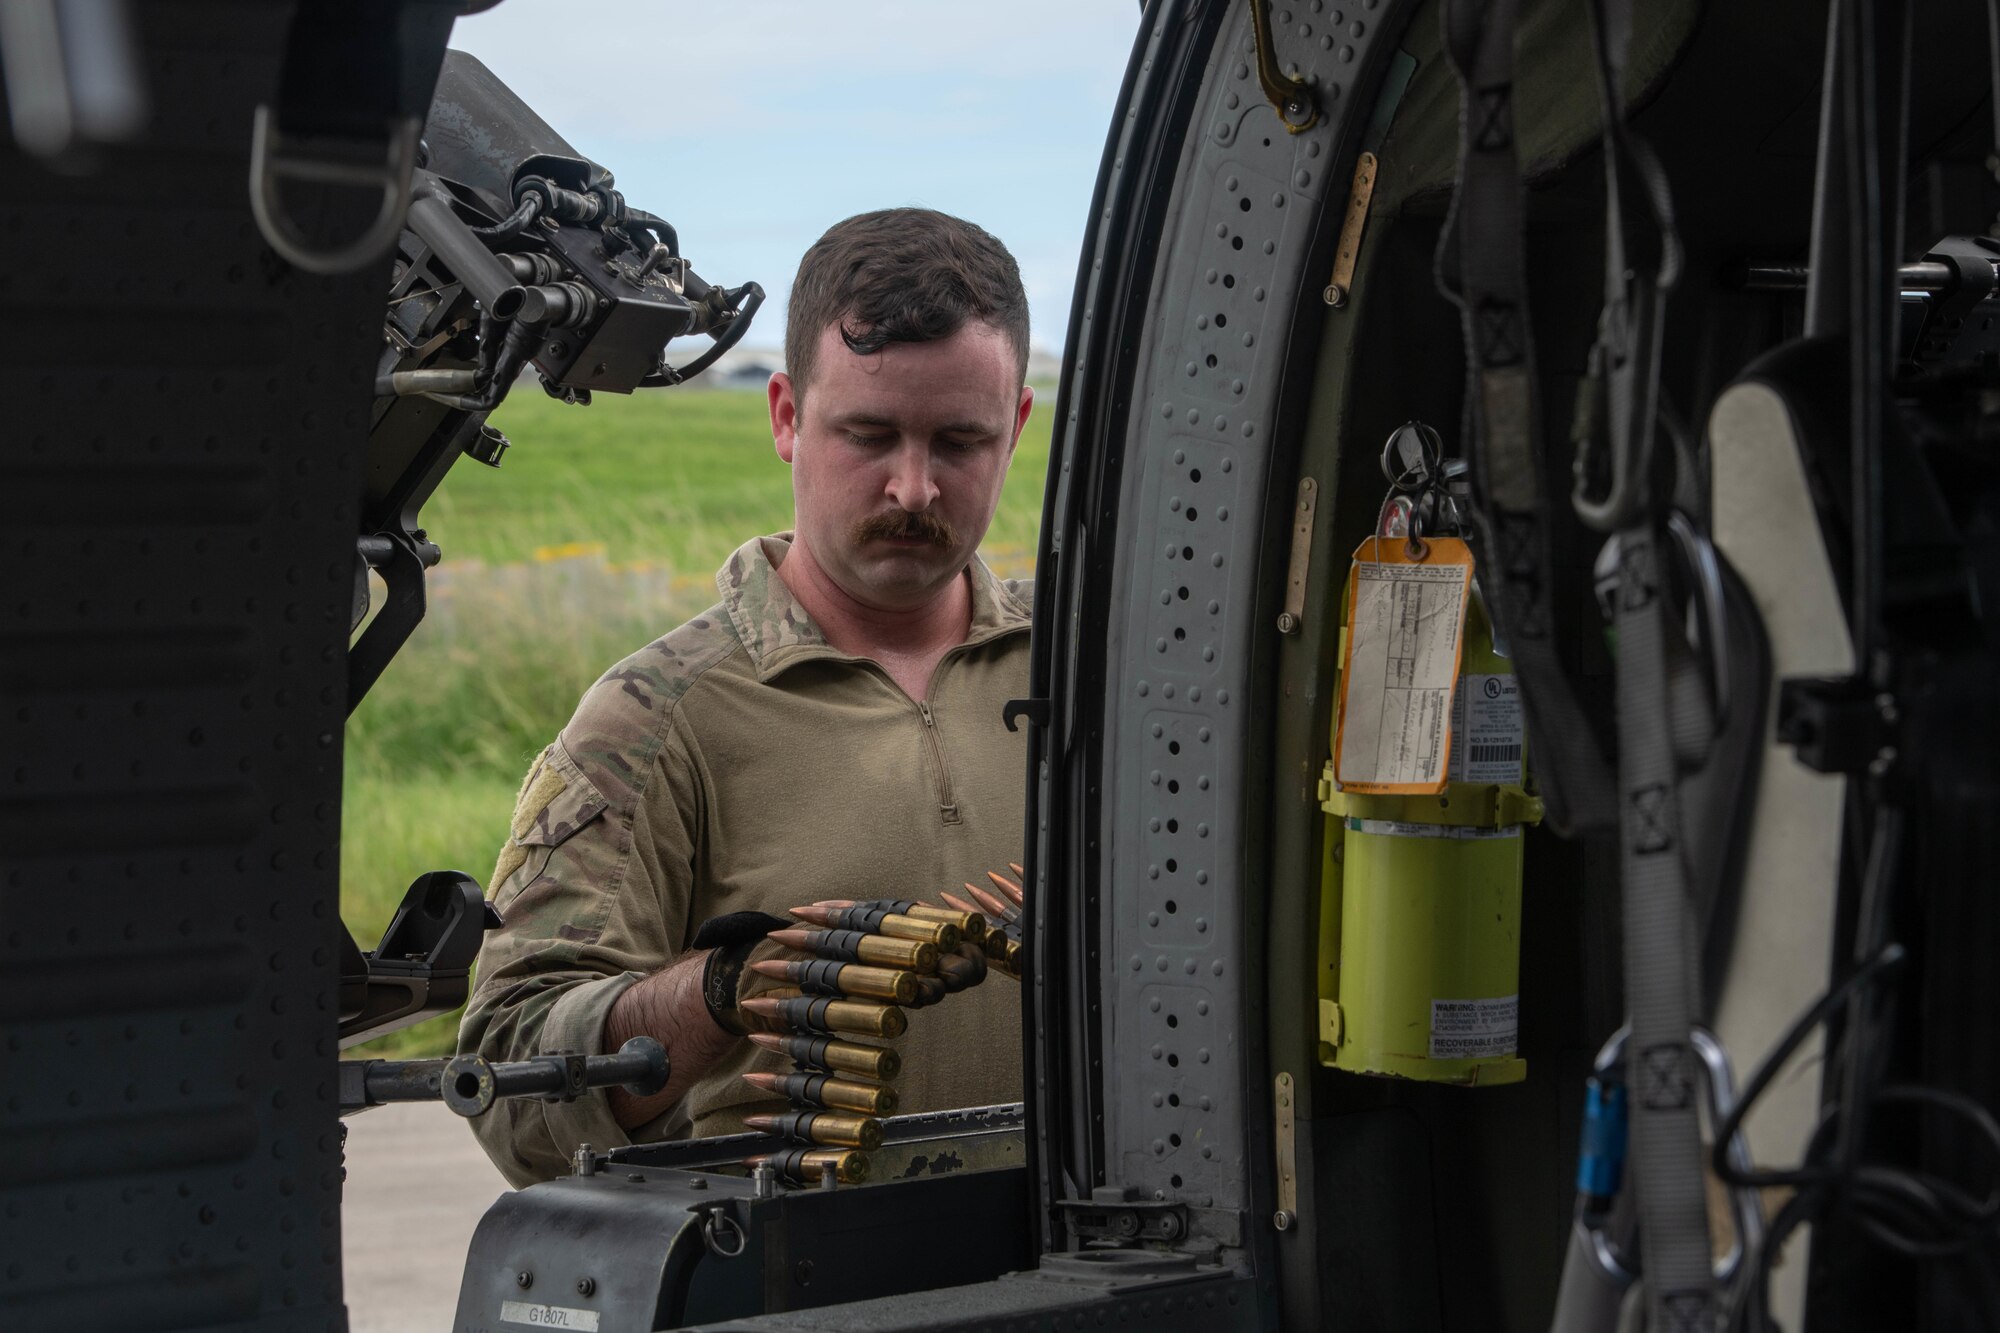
{"type": "Point", "coordinates": [1486, 729]}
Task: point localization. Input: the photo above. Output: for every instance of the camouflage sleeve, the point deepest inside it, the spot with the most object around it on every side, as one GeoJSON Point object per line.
{"type": "Point", "coordinates": [594, 882]}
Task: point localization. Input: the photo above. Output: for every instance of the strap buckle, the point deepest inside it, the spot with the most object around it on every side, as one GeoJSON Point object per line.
{"type": "Point", "coordinates": [385, 167]}
{"type": "Point", "coordinates": [1618, 409]}
{"type": "Point", "coordinates": [1612, 1251]}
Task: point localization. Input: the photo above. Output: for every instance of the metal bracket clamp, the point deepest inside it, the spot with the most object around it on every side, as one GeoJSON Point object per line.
{"type": "Point", "coordinates": [1286, 1145]}
{"type": "Point", "coordinates": [1341, 284]}
{"type": "Point", "coordinates": [1124, 1220]}
{"type": "Point", "coordinates": [1289, 97]}
{"type": "Point", "coordinates": [1293, 615]}
{"type": "Point", "coordinates": [1838, 725]}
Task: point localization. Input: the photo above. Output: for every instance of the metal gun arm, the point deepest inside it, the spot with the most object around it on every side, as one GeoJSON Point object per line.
{"type": "Point", "coordinates": [470, 1084]}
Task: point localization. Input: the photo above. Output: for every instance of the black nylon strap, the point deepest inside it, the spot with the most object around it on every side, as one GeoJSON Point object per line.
{"type": "Point", "coordinates": [737, 928]}
{"type": "Point", "coordinates": [354, 67]}
{"type": "Point", "coordinates": [1482, 268]}
{"type": "Point", "coordinates": [732, 937]}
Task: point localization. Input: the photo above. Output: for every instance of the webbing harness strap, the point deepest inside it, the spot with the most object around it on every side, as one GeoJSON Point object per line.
{"type": "Point", "coordinates": [1664, 1157]}
{"type": "Point", "coordinates": [1482, 268]}
{"type": "Point", "coordinates": [1642, 260]}
{"type": "Point", "coordinates": [1664, 1152]}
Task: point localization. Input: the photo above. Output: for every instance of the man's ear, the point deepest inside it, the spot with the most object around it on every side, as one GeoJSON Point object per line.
{"type": "Point", "coordinates": [784, 415]}
{"type": "Point", "coordinates": [1022, 411]}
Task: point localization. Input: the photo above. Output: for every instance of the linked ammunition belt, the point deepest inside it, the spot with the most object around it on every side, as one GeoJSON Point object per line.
{"type": "Point", "coordinates": [860, 964]}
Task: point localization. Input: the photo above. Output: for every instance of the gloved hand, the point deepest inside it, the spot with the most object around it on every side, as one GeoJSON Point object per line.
{"type": "Point", "coordinates": [854, 977]}
{"type": "Point", "coordinates": [737, 940]}
{"type": "Point", "coordinates": [855, 967]}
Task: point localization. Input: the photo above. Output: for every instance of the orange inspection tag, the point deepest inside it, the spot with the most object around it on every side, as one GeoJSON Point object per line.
{"type": "Point", "coordinates": [1405, 630]}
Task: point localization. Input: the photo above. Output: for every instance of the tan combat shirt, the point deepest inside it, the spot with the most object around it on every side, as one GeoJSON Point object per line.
{"type": "Point", "coordinates": [742, 763]}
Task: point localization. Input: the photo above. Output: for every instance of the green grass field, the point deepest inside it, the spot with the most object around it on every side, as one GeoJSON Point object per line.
{"type": "Point", "coordinates": [661, 478]}
{"type": "Point", "coordinates": [602, 531]}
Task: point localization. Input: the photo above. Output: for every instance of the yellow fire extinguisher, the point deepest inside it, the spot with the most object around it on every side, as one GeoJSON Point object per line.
{"type": "Point", "coordinates": [1421, 892]}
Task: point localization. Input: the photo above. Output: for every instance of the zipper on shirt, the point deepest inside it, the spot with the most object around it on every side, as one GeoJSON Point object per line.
{"type": "Point", "coordinates": [947, 806]}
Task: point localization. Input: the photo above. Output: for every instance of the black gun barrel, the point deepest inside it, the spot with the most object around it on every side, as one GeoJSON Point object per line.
{"type": "Point", "coordinates": [489, 280]}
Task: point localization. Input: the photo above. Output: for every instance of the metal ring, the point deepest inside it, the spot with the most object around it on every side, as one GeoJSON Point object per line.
{"type": "Point", "coordinates": [714, 1220]}
{"type": "Point", "coordinates": [273, 157]}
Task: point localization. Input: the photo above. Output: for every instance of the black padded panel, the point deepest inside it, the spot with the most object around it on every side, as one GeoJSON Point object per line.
{"type": "Point", "coordinates": [179, 461]}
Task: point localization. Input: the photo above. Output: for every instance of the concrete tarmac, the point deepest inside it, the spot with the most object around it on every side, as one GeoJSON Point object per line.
{"type": "Point", "coordinates": [417, 1185]}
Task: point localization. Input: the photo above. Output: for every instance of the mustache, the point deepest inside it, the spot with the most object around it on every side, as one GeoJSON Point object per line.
{"type": "Point", "coordinates": [899, 526]}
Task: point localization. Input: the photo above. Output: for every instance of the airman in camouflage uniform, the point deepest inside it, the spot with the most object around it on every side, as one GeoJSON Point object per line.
{"type": "Point", "coordinates": [743, 763]}
{"type": "Point", "coordinates": [755, 759]}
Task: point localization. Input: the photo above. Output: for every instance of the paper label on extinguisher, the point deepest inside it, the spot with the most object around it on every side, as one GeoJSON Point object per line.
{"type": "Point", "coordinates": [1475, 1029]}
{"type": "Point", "coordinates": [1405, 629]}
{"type": "Point", "coordinates": [1486, 729]}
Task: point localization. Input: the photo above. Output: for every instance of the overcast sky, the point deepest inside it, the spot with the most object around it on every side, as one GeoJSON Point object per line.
{"type": "Point", "coordinates": [754, 125]}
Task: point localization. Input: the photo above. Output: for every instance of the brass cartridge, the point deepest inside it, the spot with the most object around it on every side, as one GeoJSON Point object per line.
{"type": "Point", "coordinates": [817, 1013]}
{"type": "Point", "coordinates": [822, 1127]}
{"type": "Point", "coordinates": [876, 983]}
{"type": "Point", "coordinates": [827, 976]}
{"type": "Point", "coordinates": [971, 925]}
{"type": "Point", "coordinates": [857, 917]}
{"type": "Point", "coordinates": [943, 934]}
{"type": "Point", "coordinates": [802, 1166]}
{"type": "Point", "coordinates": [826, 1053]}
{"type": "Point", "coordinates": [815, 1090]}
{"type": "Point", "coordinates": [854, 946]}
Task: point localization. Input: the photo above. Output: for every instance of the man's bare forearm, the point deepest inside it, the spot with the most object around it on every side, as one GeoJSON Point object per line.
{"type": "Point", "coordinates": [668, 1007]}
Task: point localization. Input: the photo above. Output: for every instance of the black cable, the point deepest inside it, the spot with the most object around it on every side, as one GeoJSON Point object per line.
{"type": "Point", "coordinates": [514, 223]}
{"type": "Point", "coordinates": [1865, 1055]}
{"type": "Point", "coordinates": [663, 231]}
{"type": "Point", "coordinates": [1912, 1213]}
{"type": "Point", "coordinates": [1802, 1027]}
{"type": "Point", "coordinates": [752, 296]}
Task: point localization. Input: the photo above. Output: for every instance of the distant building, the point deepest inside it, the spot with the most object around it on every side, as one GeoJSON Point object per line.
{"type": "Point", "coordinates": [1044, 366]}
{"type": "Point", "coordinates": [738, 368]}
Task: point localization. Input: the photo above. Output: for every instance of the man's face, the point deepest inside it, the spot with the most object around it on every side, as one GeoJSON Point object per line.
{"type": "Point", "coordinates": [898, 458]}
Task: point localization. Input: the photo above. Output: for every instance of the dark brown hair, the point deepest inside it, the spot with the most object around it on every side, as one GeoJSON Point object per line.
{"type": "Point", "coordinates": [902, 275]}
